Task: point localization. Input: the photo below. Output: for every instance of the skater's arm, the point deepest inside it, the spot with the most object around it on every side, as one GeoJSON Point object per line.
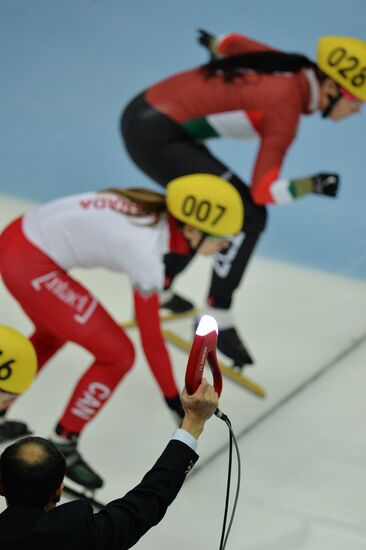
{"type": "Point", "coordinates": [229, 44]}
{"type": "Point", "coordinates": [278, 132]}
{"type": "Point", "coordinates": [269, 187]}
{"type": "Point", "coordinates": [237, 44]}
{"type": "Point", "coordinates": [266, 173]}
{"type": "Point", "coordinates": [122, 522]}
{"type": "Point", "coordinates": [152, 340]}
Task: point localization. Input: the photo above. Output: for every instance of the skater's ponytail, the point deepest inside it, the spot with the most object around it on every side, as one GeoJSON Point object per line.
{"type": "Point", "coordinates": [262, 62]}
{"type": "Point", "coordinates": [144, 201]}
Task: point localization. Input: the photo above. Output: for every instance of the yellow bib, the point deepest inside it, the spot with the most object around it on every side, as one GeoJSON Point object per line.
{"type": "Point", "coordinates": [206, 202]}
{"type": "Point", "coordinates": [343, 59]}
{"type": "Point", "coordinates": [18, 361]}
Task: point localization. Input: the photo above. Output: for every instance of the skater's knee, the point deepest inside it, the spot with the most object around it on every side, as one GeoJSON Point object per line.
{"type": "Point", "coordinates": [118, 354]}
{"type": "Point", "coordinates": [255, 220]}
{"type": "Point", "coordinates": [262, 217]}
{"type": "Point", "coordinates": [46, 340]}
{"type": "Point", "coordinates": [255, 215]}
{"type": "Point", "coordinates": [115, 371]}
{"type": "Point", "coordinates": [126, 357]}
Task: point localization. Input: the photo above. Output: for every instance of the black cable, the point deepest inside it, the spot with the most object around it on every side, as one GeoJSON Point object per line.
{"type": "Point", "coordinates": [228, 484]}
{"type": "Point", "coordinates": [224, 536]}
{"type": "Point", "coordinates": [237, 485]}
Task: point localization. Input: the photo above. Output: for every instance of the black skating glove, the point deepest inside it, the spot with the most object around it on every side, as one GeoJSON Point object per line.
{"type": "Point", "coordinates": [208, 41]}
{"type": "Point", "coordinates": [326, 184]}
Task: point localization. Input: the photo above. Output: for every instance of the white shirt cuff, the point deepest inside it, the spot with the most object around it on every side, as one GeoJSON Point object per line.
{"type": "Point", "coordinates": [185, 437]}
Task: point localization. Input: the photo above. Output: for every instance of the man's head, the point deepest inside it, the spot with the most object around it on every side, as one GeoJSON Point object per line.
{"type": "Point", "coordinates": [31, 473]}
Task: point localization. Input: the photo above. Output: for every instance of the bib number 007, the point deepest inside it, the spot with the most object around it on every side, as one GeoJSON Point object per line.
{"type": "Point", "coordinates": [203, 210]}
{"type": "Point", "coordinates": [346, 64]}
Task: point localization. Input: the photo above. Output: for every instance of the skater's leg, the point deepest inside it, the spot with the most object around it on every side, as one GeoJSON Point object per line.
{"type": "Point", "coordinates": [164, 150]}
{"type": "Point", "coordinates": [81, 320]}
{"type": "Point", "coordinates": [229, 268]}
{"type": "Point", "coordinates": [46, 345]}
{"type": "Point", "coordinates": [15, 250]}
{"type": "Point", "coordinates": [114, 356]}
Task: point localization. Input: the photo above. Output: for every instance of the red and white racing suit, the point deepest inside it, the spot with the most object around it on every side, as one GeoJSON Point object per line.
{"type": "Point", "coordinates": [165, 130]}
{"type": "Point", "coordinates": [82, 231]}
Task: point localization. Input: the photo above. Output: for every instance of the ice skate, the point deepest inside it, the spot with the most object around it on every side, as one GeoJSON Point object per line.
{"type": "Point", "coordinates": [230, 344]}
{"type": "Point", "coordinates": [12, 429]}
{"type": "Point", "coordinates": [76, 468]}
{"type": "Point", "coordinates": [173, 306]}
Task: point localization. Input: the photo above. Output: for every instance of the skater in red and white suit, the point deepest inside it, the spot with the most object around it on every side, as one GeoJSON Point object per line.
{"type": "Point", "coordinates": [127, 231]}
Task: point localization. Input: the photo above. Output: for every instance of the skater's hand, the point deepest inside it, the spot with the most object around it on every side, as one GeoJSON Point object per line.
{"type": "Point", "coordinates": [326, 184]}
{"type": "Point", "coordinates": [6, 399]}
{"type": "Point", "coordinates": [198, 407]}
{"type": "Point", "coordinates": [208, 41]}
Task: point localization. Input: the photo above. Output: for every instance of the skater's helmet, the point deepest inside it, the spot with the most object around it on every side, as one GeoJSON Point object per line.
{"type": "Point", "coordinates": [18, 361]}
{"type": "Point", "coordinates": [207, 202]}
{"type": "Point", "coordinates": [343, 59]}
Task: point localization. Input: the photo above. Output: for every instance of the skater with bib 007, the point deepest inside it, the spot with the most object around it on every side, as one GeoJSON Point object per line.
{"type": "Point", "coordinates": [124, 230]}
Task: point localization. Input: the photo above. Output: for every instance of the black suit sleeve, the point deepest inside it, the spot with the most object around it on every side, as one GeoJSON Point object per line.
{"type": "Point", "coordinates": [121, 523]}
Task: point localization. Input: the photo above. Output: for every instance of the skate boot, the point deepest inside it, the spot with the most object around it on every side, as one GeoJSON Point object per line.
{"type": "Point", "coordinates": [176, 408]}
{"type": "Point", "coordinates": [12, 429]}
{"type": "Point", "coordinates": [173, 303]}
{"type": "Point", "coordinates": [76, 468]}
{"type": "Point", "coordinates": [229, 343]}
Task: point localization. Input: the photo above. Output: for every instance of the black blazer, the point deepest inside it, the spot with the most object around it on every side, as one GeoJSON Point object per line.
{"type": "Point", "coordinates": [118, 526]}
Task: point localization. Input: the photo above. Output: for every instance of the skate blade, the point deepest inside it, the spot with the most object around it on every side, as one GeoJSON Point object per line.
{"type": "Point", "coordinates": [75, 490]}
{"type": "Point", "coordinates": [168, 316]}
{"type": "Point", "coordinates": [228, 372]}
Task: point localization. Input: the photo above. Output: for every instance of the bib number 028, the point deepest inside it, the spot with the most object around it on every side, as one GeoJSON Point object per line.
{"type": "Point", "coordinates": [203, 210]}
{"type": "Point", "coordinates": [346, 64]}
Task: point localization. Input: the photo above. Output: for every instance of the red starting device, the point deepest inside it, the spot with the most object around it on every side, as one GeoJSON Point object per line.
{"type": "Point", "coordinates": [203, 349]}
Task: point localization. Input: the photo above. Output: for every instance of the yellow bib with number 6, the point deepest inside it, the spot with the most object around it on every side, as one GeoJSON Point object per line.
{"type": "Point", "coordinates": [18, 361]}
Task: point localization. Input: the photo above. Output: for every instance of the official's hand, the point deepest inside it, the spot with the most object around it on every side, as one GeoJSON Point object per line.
{"type": "Point", "coordinates": [326, 184]}
{"type": "Point", "coordinates": [198, 407]}
{"type": "Point", "coordinates": [208, 41]}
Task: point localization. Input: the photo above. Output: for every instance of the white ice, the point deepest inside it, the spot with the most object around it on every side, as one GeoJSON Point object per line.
{"type": "Point", "coordinates": [303, 447]}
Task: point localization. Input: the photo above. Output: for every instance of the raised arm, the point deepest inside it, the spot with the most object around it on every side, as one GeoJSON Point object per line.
{"type": "Point", "coordinates": [122, 522]}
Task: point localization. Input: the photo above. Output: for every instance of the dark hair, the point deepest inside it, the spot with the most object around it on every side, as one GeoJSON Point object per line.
{"type": "Point", "coordinates": [31, 470]}
{"type": "Point", "coordinates": [271, 61]}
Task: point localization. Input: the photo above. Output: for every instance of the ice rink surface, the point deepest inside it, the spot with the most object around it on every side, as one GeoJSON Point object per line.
{"type": "Point", "coordinates": [68, 69]}
{"type": "Point", "coordinates": [303, 447]}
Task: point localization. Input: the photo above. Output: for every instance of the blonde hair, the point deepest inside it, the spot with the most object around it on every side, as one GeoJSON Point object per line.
{"type": "Point", "coordinates": [146, 202]}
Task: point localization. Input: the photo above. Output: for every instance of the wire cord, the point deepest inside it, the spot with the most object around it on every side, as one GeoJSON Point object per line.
{"type": "Point", "coordinates": [225, 535]}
